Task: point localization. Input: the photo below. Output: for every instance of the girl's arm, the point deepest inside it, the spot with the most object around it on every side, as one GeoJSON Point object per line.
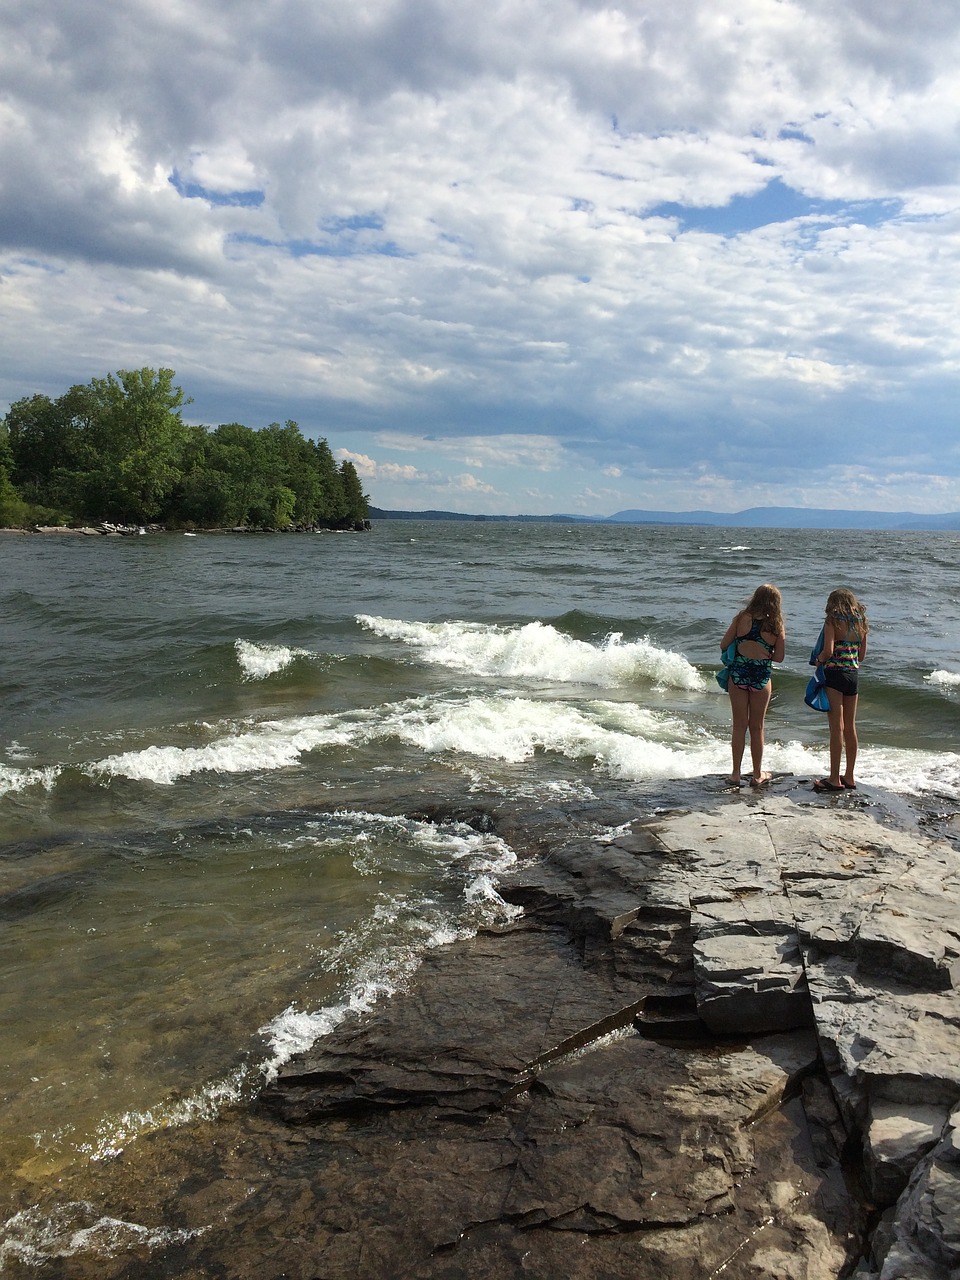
{"type": "Point", "coordinates": [862, 653]}
{"type": "Point", "coordinates": [731, 632]}
{"type": "Point", "coordinates": [780, 648]}
{"type": "Point", "coordinates": [829, 640]}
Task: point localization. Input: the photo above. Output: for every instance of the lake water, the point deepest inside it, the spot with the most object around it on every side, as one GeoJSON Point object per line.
{"type": "Point", "coordinates": [217, 754]}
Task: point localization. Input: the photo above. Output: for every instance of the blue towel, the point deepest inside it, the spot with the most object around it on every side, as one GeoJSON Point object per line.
{"type": "Point", "coordinates": [727, 656]}
{"type": "Point", "coordinates": [817, 649]}
{"type": "Point", "coordinates": [816, 692]}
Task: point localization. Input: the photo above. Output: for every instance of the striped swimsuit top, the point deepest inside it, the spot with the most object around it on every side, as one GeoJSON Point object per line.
{"type": "Point", "coordinates": [846, 653]}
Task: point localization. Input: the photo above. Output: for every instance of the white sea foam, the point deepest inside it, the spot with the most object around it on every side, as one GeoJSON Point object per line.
{"type": "Point", "coordinates": [34, 1236]}
{"type": "Point", "coordinates": [258, 661]}
{"type": "Point", "coordinates": [945, 679]}
{"type": "Point", "coordinates": [620, 740]}
{"type": "Point", "coordinates": [910, 772]}
{"type": "Point", "coordinates": [377, 958]}
{"type": "Point", "coordinates": [538, 651]}
{"type": "Point", "coordinates": [204, 1103]}
{"type": "Point", "coordinates": [271, 745]}
{"type": "Point", "coordinates": [20, 779]}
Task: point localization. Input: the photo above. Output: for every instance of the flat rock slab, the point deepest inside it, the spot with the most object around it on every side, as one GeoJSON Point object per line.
{"type": "Point", "coordinates": [632, 1160]}
{"type": "Point", "coordinates": [861, 921]}
{"type": "Point", "coordinates": [745, 919]}
{"type": "Point", "coordinates": [479, 1019]}
{"type": "Point", "coordinates": [665, 1067]}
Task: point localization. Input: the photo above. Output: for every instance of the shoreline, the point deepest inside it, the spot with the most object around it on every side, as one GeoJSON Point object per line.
{"type": "Point", "coordinates": [723, 1034]}
{"type": "Point", "coordinates": [133, 531]}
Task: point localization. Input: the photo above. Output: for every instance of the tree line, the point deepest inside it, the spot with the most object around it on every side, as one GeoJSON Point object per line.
{"type": "Point", "coordinates": [117, 449]}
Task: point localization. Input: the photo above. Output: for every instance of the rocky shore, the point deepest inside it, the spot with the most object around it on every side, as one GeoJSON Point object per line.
{"type": "Point", "coordinates": [108, 530]}
{"type": "Point", "coordinates": [721, 1038]}
{"type": "Point", "coordinates": [720, 1041]}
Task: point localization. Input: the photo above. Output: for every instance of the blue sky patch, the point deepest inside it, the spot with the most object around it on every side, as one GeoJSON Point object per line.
{"type": "Point", "coordinates": [775, 203]}
{"type": "Point", "coordinates": [312, 248]}
{"type": "Point", "coordinates": [356, 222]}
{"type": "Point", "coordinates": [194, 191]}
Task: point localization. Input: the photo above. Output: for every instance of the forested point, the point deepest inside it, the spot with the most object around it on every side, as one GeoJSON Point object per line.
{"type": "Point", "coordinates": [116, 449]}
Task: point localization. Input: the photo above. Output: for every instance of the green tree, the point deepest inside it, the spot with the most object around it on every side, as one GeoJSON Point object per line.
{"type": "Point", "coordinates": [139, 437]}
{"type": "Point", "coordinates": [358, 506]}
{"type": "Point", "coordinates": [331, 485]}
{"type": "Point", "coordinates": [33, 437]}
{"type": "Point", "coordinates": [111, 448]}
{"type": "Point", "coordinates": [52, 448]}
{"type": "Point", "coordinates": [12, 507]}
{"type": "Point", "coordinates": [118, 448]}
{"type": "Point", "coordinates": [282, 506]}
{"type": "Point", "coordinates": [289, 463]}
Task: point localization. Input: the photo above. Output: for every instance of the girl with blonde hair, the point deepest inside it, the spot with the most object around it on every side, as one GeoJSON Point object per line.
{"type": "Point", "coordinates": [844, 648]}
{"type": "Point", "coordinates": [760, 638]}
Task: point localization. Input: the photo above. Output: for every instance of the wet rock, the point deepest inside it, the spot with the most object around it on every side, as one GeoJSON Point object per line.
{"type": "Point", "coordinates": [705, 1021]}
{"type": "Point", "coordinates": [479, 1020]}
{"type": "Point", "coordinates": [689, 1159]}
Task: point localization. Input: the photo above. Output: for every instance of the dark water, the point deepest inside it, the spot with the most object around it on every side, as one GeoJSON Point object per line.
{"type": "Point", "coordinates": [209, 744]}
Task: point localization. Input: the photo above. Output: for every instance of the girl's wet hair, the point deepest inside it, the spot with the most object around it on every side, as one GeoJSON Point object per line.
{"type": "Point", "coordinates": [765, 604]}
{"type": "Point", "coordinates": [843, 606]}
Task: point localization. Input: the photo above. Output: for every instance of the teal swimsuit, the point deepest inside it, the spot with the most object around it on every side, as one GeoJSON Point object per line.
{"type": "Point", "coordinates": [752, 673]}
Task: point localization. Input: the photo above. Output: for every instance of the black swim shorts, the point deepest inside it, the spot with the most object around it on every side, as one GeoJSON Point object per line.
{"type": "Point", "coordinates": [842, 679]}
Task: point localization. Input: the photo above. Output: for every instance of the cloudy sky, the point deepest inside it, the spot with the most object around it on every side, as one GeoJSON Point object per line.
{"type": "Point", "coordinates": [520, 256]}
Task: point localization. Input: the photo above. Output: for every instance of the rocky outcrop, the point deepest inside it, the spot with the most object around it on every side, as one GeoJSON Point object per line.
{"type": "Point", "coordinates": [721, 1040]}
{"type": "Point", "coordinates": [718, 1039]}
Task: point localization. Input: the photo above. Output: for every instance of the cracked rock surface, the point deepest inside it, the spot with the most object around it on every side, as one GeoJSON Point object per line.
{"type": "Point", "coordinates": [740, 955]}
{"type": "Point", "coordinates": [723, 1039]}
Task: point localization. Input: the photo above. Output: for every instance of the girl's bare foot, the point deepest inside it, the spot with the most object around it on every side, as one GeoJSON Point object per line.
{"type": "Point", "coordinates": [759, 779]}
{"type": "Point", "coordinates": [735, 780]}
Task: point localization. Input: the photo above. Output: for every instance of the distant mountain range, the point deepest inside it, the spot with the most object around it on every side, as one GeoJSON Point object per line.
{"type": "Point", "coordinates": [794, 518]}
{"type": "Point", "coordinates": [752, 518]}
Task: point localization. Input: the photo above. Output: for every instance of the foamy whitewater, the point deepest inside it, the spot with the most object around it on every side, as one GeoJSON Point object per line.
{"type": "Point", "coordinates": [257, 661]}
{"type": "Point", "coordinates": [218, 753]}
{"type": "Point", "coordinates": [538, 652]}
{"type": "Point", "coordinates": [946, 679]}
{"type": "Point", "coordinates": [621, 740]}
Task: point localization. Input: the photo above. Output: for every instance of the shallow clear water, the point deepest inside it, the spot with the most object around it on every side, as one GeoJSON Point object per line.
{"type": "Point", "coordinates": [211, 749]}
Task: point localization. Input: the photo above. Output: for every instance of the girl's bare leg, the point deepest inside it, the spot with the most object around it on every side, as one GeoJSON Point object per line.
{"type": "Point", "coordinates": [739, 710]}
{"type": "Point", "coordinates": [835, 721]}
{"type": "Point", "coordinates": [758, 701]}
{"type": "Point", "coordinates": [850, 740]}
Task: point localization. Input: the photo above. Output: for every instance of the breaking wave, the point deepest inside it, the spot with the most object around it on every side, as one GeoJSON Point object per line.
{"type": "Point", "coordinates": [620, 740]}
{"type": "Point", "coordinates": [257, 661]}
{"type": "Point", "coordinates": [538, 651]}
{"type": "Point", "coordinates": [624, 740]}
{"type": "Point", "coordinates": [944, 679]}
{"type": "Point", "coordinates": [12, 780]}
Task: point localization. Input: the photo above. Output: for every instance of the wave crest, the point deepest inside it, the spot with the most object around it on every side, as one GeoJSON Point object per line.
{"type": "Point", "coordinates": [944, 679]}
{"type": "Point", "coordinates": [257, 661]}
{"type": "Point", "coordinates": [537, 650]}
{"type": "Point", "coordinates": [12, 780]}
